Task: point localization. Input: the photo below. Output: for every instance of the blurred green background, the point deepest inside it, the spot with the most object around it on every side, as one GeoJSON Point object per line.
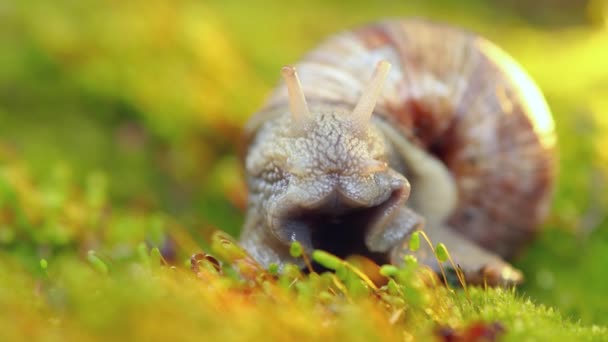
{"type": "Point", "coordinates": [119, 121]}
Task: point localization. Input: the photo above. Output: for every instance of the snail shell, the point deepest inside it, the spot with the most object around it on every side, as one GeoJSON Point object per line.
{"type": "Point", "coordinates": [453, 95]}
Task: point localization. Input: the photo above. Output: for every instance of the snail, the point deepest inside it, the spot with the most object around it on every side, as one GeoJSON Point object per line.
{"type": "Point", "coordinates": [394, 127]}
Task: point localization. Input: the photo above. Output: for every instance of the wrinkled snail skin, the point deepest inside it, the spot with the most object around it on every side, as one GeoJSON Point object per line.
{"type": "Point", "coordinates": [398, 126]}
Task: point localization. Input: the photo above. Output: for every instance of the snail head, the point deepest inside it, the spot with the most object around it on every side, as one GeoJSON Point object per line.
{"type": "Point", "coordinates": [329, 171]}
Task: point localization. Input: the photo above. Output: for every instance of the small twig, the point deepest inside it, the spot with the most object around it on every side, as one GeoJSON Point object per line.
{"type": "Point", "coordinates": [340, 286]}
{"type": "Point", "coordinates": [292, 283]}
{"type": "Point", "coordinates": [445, 278]}
{"type": "Point", "coordinates": [307, 262]}
{"type": "Point", "coordinates": [462, 279]}
{"type": "Point", "coordinates": [395, 316]}
{"type": "Point", "coordinates": [460, 276]}
{"type": "Point", "coordinates": [361, 275]}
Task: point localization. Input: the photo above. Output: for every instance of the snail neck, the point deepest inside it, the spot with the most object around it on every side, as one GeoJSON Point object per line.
{"type": "Point", "coordinates": [434, 192]}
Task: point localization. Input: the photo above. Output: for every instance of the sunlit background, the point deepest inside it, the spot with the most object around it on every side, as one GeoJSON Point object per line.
{"type": "Point", "coordinates": [119, 121]}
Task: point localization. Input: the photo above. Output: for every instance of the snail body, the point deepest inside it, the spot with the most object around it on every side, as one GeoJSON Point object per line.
{"type": "Point", "coordinates": [449, 135]}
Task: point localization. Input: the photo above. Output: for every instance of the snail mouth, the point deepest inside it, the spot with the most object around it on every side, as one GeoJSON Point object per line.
{"type": "Point", "coordinates": [337, 224]}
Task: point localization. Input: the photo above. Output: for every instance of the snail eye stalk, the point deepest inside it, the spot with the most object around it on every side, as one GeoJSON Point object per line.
{"type": "Point", "coordinates": [365, 107]}
{"type": "Point", "coordinates": [297, 101]}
